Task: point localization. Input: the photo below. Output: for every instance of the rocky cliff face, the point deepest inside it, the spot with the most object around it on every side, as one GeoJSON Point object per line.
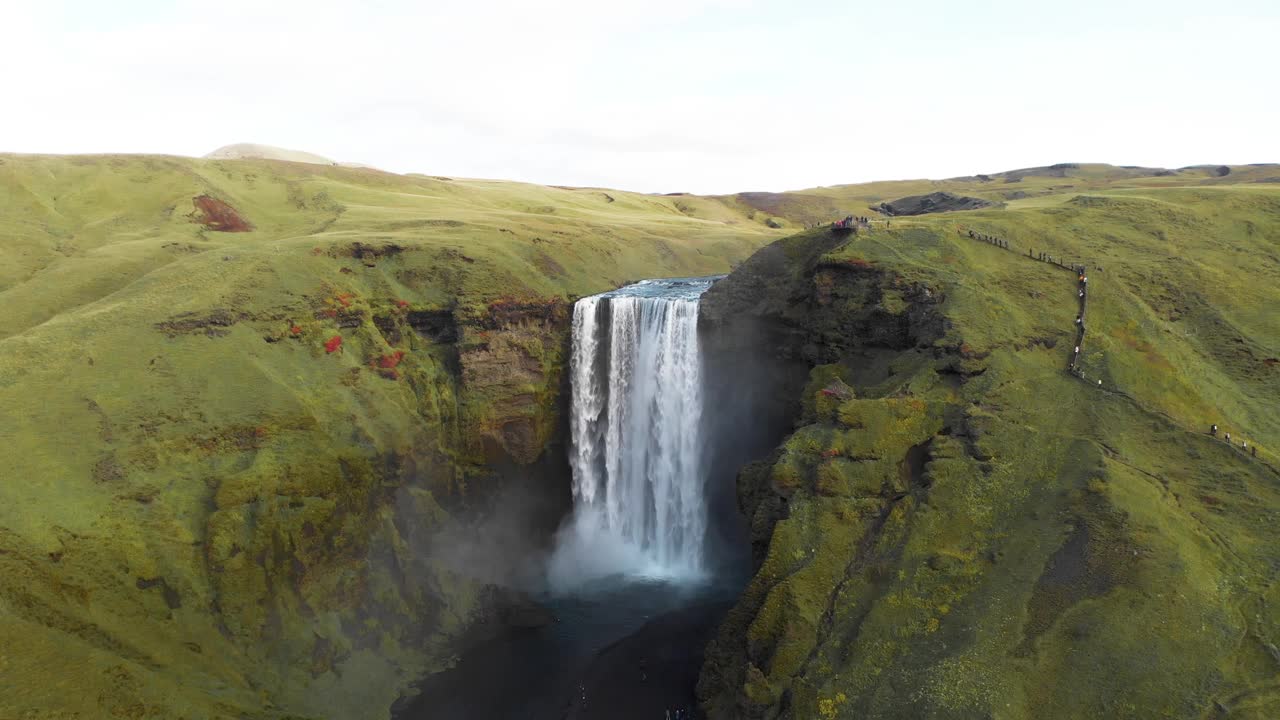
{"type": "Point", "coordinates": [840, 478]}
{"type": "Point", "coordinates": [950, 530]}
{"type": "Point", "coordinates": [376, 554]}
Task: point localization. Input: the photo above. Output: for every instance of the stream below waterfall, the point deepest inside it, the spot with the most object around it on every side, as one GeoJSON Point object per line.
{"type": "Point", "coordinates": [634, 591]}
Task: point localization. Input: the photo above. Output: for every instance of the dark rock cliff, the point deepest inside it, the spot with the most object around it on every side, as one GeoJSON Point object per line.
{"type": "Point", "coordinates": [812, 320]}
{"type": "Point", "coordinates": [935, 202]}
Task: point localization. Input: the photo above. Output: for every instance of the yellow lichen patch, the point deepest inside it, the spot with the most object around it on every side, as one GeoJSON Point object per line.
{"type": "Point", "coordinates": [828, 707]}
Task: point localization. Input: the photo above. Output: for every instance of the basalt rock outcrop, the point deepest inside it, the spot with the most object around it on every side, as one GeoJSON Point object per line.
{"type": "Point", "coordinates": [936, 202]}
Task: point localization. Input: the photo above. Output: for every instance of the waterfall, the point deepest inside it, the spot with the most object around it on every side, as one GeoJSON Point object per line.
{"type": "Point", "coordinates": [636, 446]}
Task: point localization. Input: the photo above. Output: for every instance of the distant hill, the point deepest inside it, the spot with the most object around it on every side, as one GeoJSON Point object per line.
{"type": "Point", "coordinates": [246, 151]}
{"type": "Point", "coordinates": [1030, 185]}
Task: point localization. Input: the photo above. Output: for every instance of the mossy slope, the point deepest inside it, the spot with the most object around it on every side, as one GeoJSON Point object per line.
{"type": "Point", "coordinates": [958, 527]}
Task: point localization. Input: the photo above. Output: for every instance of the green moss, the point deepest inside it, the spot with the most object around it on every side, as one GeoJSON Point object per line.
{"type": "Point", "coordinates": [1034, 546]}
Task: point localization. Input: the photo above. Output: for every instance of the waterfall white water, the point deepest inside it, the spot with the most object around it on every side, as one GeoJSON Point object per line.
{"type": "Point", "coordinates": [636, 454]}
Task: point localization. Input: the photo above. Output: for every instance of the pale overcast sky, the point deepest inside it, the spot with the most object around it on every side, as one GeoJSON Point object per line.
{"type": "Point", "coordinates": [664, 95]}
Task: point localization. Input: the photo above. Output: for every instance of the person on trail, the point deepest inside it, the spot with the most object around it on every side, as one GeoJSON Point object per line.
{"type": "Point", "coordinates": [1077, 350]}
{"type": "Point", "coordinates": [1213, 429]}
{"type": "Point", "coordinates": [1081, 293]}
{"type": "Point", "coordinates": [1228, 437]}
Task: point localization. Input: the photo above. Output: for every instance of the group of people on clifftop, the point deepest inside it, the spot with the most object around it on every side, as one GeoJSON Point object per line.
{"type": "Point", "coordinates": [850, 222]}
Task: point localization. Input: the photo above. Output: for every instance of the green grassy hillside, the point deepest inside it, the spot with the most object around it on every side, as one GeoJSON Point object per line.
{"type": "Point", "coordinates": [229, 457]}
{"type": "Point", "coordinates": [238, 467]}
{"type": "Point", "coordinates": [960, 528]}
{"type": "Point", "coordinates": [78, 229]}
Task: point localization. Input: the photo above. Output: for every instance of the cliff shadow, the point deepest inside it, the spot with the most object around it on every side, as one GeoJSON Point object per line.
{"type": "Point", "coordinates": [751, 387]}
